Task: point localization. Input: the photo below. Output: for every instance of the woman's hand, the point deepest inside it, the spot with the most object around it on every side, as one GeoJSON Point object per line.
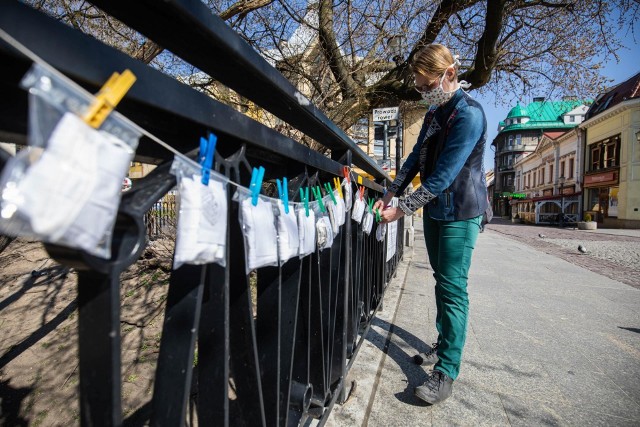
{"type": "Point", "coordinates": [391, 214]}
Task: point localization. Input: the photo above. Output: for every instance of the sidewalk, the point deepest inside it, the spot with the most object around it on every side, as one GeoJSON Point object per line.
{"type": "Point", "coordinates": [549, 343]}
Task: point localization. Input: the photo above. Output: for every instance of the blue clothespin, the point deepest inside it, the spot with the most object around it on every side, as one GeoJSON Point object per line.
{"type": "Point", "coordinates": [205, 157]}
{"type": "Point", "coordinates": [283, 192]}
{"type": "Point", "coordinates": [256, 184]}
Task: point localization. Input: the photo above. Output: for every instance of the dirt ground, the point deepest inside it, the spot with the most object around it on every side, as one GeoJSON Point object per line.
{"type": "Point", "coordinates": [38, 333]}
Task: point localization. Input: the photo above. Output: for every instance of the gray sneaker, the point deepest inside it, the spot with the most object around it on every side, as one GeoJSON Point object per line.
{"type": "Point", "coordinates": [428, 358]}
{"type": "Point", "coordinates": [437, 388]}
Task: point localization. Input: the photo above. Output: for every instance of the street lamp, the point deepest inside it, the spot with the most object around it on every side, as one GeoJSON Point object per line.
{"type": "Point", "coordinates": [561, 182]}
{"type": "Point", "coordinates": [395, 46]}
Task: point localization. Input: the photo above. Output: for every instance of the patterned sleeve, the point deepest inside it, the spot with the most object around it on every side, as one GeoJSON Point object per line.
{"type": "Point", "coordinates": [416, 200]}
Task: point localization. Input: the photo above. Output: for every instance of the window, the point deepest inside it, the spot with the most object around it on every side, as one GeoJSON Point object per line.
{"type": "Point", "coordinates": [561, 171]}
{"type": "Point", "coordinates": [571, 162]}
{"type": "Point", "coordinates": [541, 177]}
{"type": "Point", "coordinates": [605, 154]}
{"type": "Point", "coordinates": [518, 139]}
{"type": "Point", "coordinates": [550, 173]}
{"type": "Point", "coordinates": [534, 179]}
{"type": "Point", "coordinates": [510, 140]}
{"type": "Point", "coordinates": [572, 119]}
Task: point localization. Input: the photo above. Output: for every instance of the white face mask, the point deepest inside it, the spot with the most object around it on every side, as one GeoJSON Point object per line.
{"type": "Point", "coordinates": [437, 96]}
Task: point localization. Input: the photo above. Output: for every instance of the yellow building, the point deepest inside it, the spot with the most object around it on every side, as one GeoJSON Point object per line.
{"type": "Point", "coordinates": [611, 179]}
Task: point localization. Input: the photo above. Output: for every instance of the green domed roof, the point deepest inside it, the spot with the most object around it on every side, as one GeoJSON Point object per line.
{"type": "Point", "coordinates": [517, 111]}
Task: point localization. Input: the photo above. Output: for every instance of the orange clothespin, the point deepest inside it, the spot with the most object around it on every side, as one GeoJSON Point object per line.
{"type": "Point", "coordinates": [361, 191]}
{"type": "Point", "coordinates": [109, 96]}
{"type": "Point", "coordinates": [345, 172]}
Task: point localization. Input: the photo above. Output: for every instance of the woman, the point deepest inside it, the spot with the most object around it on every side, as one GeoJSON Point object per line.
{"type": "Point", "coordinates": [449, 156]}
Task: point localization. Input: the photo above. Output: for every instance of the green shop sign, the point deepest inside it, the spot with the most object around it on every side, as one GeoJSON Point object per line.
{"type": "Point", "coordinates": [508, 195]}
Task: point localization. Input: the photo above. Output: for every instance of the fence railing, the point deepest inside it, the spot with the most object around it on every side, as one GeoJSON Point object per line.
{"type": "Point", "coordinates": [287, 351]}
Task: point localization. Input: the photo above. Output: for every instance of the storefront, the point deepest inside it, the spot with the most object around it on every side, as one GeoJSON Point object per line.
{"type": "Point", "coordinates": [601, 195]}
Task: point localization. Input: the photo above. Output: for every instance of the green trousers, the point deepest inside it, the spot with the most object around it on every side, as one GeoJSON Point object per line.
{"type": "Point", "coordinates": [450, 246]}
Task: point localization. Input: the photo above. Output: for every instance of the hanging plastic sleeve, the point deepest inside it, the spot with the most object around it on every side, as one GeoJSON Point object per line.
{"type": "Point", "coordinates": [358, 210]}
{"type": "Point", "coordinates": [331, 211]}
{"type": "Point", "coordinates": [258, 227]}
{"type": "Point", "coordinates": [381, 231]}
{"type": "Point", "coordinates": [306, 230]}
{"type": "Point", "coordinates": [392, 233]}
{"type": "Point", "coordinates": [65, 188]}
{"type": "Point", "coordinates": [288, 238]}
{"type": "Point", "coordinates": [340, 209]}
{"type": "Point", "coordinates": [367, 222]}
{"type": "Point", "coordinates": [348, 194]}
{"type": "Point", "coordinates": [202, 216]}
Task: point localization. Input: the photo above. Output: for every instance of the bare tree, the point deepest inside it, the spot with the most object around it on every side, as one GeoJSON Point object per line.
{"type": "Point", "coordinates": [340, 52]}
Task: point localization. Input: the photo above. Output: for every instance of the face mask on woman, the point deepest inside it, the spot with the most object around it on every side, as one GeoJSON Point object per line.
{"type": "Point", "coordinates": [437, 96]}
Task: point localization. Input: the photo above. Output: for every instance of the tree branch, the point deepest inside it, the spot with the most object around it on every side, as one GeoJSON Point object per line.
{"type": "Point", "coordinates": [329, 46]}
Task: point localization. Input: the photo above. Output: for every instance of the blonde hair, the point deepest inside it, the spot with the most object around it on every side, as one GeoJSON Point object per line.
{"type": "Point", "coordinates": [433, 60]}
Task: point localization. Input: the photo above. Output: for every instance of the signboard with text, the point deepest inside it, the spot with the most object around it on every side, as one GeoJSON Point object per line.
{"type": "Point", "coordinates": [384, 114]}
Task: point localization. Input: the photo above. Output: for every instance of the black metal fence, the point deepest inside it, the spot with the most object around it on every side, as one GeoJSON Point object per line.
{"type": "Point", "coordinates": [286, 359]}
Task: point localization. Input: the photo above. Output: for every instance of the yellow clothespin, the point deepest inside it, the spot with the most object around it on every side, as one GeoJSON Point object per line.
{"type": "Point", "coordinates": [336, 183]}
{"type": "Point", "coordinates": [106, 100]}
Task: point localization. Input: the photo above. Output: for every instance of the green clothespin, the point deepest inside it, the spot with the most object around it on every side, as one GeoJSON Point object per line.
{"type": "Point", "coordinates": [317, 192]}
{"type": "Point", "coordinates": [371, 205]}
{"type": "Point", "coordinates": [327, 186]}
{"type": "Point", "coordinates": [305, 199]}
{"type": "Point", "coordinates": [378, 218]}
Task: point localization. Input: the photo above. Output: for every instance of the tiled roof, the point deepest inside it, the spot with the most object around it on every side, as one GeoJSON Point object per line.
{"type": "Point", "coordinates": [628, 89]}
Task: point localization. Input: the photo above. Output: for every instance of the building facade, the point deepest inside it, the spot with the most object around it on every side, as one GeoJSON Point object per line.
{"type": "Point", "coordinates": [612, 157]}
{"type": "Point", "coordinates": [519, 135]}
{"type": "Point", "coordinates": [547, 181]}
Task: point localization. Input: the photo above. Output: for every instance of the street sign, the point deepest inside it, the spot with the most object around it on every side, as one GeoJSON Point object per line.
{"type": "Point", "coordinates": [383, 114]}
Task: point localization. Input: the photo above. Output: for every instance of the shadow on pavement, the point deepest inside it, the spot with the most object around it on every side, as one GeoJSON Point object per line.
{"type": "Point", "coordinates": [416, 375]}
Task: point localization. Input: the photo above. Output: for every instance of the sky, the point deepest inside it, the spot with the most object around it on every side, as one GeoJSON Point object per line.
{"type": "Point", "coordinates": [628, 66]}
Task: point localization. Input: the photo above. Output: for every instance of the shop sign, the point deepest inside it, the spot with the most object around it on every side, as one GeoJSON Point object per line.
{"type": "Point", "coordinates": [600, 178]}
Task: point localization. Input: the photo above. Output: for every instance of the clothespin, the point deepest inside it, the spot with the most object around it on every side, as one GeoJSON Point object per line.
{"type": "Point", "coordinates": [205, 157]}
{"type": "Point", "coordinates": [108, 97]}
{"type": "Point", "coordinates": [305, 199]}
{"type": "Point", "coordinates": [345, 172]}
{"type": "Point", "coordinates": [327, 187]}
{"type": "Point", "coordinates": [361, 191]}
{"type": "Point", "coordinates": [284, 194]}
{"type": "Point", "coordinates": [370, 203]}
{"type": "Point", "coordinates": [336, 183]}
{"type": "Point", "coordinates": [317, 192]}
{"type": "Point", "coordinates": [256, 184]}
{"type": "Point", "coordinates": [378, 218]}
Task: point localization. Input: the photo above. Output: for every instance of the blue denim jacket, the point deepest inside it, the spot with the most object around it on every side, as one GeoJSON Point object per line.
{"type": "Point", "coordinates": [449, 156]}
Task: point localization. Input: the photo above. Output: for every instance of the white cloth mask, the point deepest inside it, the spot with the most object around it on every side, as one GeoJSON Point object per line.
{"type": "Point", "coordinates": [71, 194]}
{"type": "Point", "coordinates": [288, 239]}
{"type": "Point", "coordinates": [202, 224]}
{"type": "Point", "coordinates": [367, 222]}
{"type": "Point", "coordinates": [325, 233]}
{"type": "Point", "coordinates": [358, 210]}
{"type": "Point", "coordinates": [260, 235]}
{"type": "Point", "coordinates": [306, 232]}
